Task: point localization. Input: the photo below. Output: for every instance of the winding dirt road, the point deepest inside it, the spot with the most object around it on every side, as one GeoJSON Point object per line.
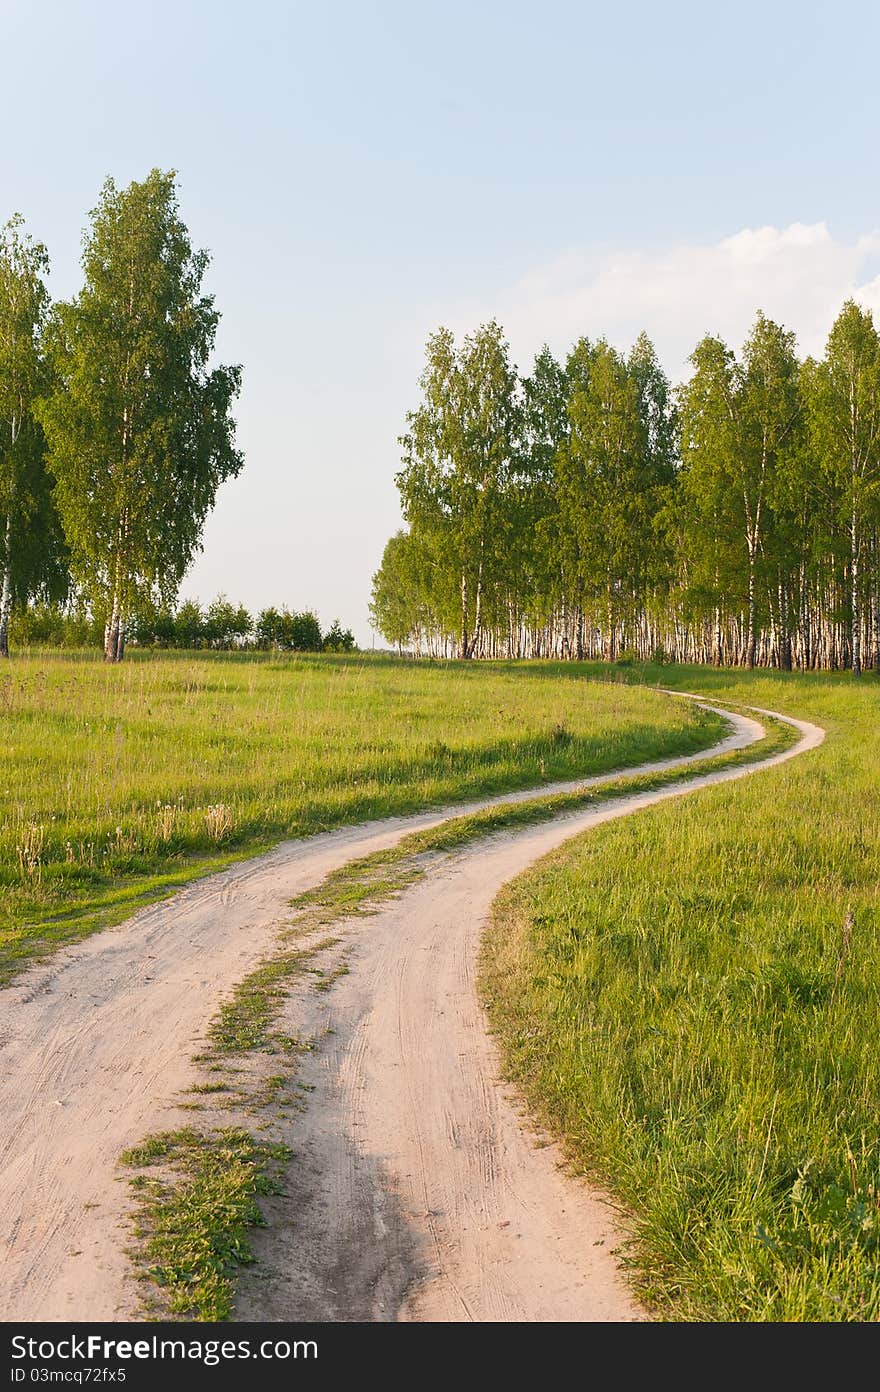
{"type": "Point", "coordinates": [417, 1190]}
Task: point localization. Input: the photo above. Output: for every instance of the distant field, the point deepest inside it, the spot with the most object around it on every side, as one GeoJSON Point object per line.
{"type": "Point", "coordinates": [687, 1003]}
{"type": "Point", "coordinates": [121, 783]}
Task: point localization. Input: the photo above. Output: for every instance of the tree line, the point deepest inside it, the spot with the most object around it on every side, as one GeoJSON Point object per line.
{"type": "Point", "coordinates": [590, 509]}
{"type": "Point", "coordinates": [115, 431]}
{"type": "Point", "coordinates": [221, 627]}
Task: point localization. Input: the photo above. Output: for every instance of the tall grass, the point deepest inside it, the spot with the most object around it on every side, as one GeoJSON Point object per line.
{"type": "Point", "coordinates": [690, 998]}
{"type": "Point", "coordinates": [119, 783]}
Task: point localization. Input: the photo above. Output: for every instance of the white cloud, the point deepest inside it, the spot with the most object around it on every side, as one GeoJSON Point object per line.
{"type": "Point", "coordinates": [798, 275]}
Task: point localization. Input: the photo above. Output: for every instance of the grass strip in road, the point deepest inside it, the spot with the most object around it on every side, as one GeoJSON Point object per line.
{"type": "Point", "coordinates": [243, 1023]}
{"type": "Point", "coordinates": [192, 1219]}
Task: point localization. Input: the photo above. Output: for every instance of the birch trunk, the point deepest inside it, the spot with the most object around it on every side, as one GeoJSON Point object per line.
{"type": "Point", "coordinates": [718, 643]}
{"type": "Point", "coordinates": [750, 639]}
{"type": "Point", "coordinates": [478, 610]}
{"type": "Point", "coordinates": [463, 646]}
{"type": "Point", "coordinates": [855, 615]}
{"type": "Point", "coordinates": [6, 592]}
{"type": "Point", "coordinates": [610, 653]}
{"type": "Point", "coordinates": [875, 615]}
{"type": "Point", "coordinates": [111, 632]}
{"type": "Point", "coordinates": [784, 630]}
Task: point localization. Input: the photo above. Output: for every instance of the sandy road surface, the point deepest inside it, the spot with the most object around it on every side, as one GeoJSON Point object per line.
{"type": "Point", "coordinates": [416, 1192]}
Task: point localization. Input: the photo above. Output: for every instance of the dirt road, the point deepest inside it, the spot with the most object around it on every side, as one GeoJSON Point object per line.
{"type": "Point", "coordinates": [417, 1191]}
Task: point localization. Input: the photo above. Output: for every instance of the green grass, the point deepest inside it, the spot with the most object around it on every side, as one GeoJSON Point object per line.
{"type": "Point", "coordinates": [192, 1220]}
{"type": "Point", "coordinates": [243, 1022]}
{"type": "Point", "coordinates": [120, 784]}
{"type": "Point", "coordinates": [689, 999]}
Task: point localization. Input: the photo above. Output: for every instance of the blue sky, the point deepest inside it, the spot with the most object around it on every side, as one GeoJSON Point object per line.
{"type": "Point", "coordinates": [364, 172]}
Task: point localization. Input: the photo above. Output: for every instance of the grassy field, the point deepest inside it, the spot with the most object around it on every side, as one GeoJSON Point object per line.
{"type": "Point", "coordinates": [121, 783]}
{"type": "Point", "coordinates": [689, 998]}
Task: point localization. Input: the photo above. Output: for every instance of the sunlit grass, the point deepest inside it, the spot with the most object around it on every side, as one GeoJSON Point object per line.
{"type": "Point", "coordinates": [118, 784]}
{"type": "Point", "coordinates": [194, 1219]}
{"type": "Point", "coordinates": [689, 997]}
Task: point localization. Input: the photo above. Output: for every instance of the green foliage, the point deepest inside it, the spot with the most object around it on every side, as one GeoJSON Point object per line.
{"type": "Point", "coordinates": [337, 639]}
{"type": "Point", "coordinates": [45, 625]}
{"type": "Point", "coordinates": [187, 626]}
{"type": "Point", "coordinates": [526, 495]}
{"type": "Point", "coordinates": [138, 425]}
{"type": "Point", "coordinates": [459, 466]}
{"type": "Point", "coordinates": [404, 596]}
{"type": "Point", "coordinates": [226, 625]}
{"type": "Point", "coordinates": [844, 414]}
{"type": "Point", "coordinates": [222, 627]}
{"type": "Point", "coordinates": [586, 509]}
{"type": "Point", "coordinates": [740, 426]}
{"type": "Point", "coordinates": [32, 554]}
{"type": "Point", "coordinates": [288, 632]}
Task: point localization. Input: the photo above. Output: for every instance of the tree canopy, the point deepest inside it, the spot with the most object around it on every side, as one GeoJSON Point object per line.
{"type": "Point", "coordinates": [588, 509]}
{"type": "Point", "coordinates": [32, 552]}
{"type": "Point", "coordinates": [137, 422]}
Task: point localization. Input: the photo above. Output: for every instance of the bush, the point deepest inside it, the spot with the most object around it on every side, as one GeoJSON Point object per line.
{"type": "Point", "coordinates": [226, 625]}
{"type": "Point", "coordinates": [223, 626]}
{"type": "Point", "coordinates": [290, 632]}
{"type": "Point", "coordinates": [54, 626]}
{"type": "Point", "coordinates": [337, 639]}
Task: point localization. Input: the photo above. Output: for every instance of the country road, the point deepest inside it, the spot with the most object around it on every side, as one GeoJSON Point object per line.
{"type": "Point", "coordinates": [417, 1190]}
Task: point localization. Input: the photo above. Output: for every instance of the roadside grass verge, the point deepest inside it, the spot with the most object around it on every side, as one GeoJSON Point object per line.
{"type": "Point", "coordinates": [688, 1000]}
{"type": "Point", "coordinates": [191, 1265]}
{"type": "Point", "coordinates": [120, 785]}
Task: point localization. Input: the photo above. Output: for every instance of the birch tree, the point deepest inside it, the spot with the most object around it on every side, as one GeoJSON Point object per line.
{"type": "Point", "coordinates": [138, 425]}
{"type": "Point", "coordinates": [399, 608]}
{"type": "Point", "coordinates": [655, 469]}
{"type": "Point", "coordinates": [457, 457]}
{"type": "Point", "coordinates": [546, 542]}
{"type": "Point", "coordinates": [769, 410]}
{"type": "Point", "coordinates": [26, 526]}
{"type": "Point", "coordinates": [845, 428]}
{"type": "Point", "coordinates": [602, 478]}
{"type": "Point", "coordinates": [742, 526]}
{"type": "Point", "coordinates": [737, 418]}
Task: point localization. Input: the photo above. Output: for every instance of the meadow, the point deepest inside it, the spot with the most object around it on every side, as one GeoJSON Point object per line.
{"type": "Point", "coordinates": [120, 783]}
{"type": "Point", "coordinates": [689, 1000]}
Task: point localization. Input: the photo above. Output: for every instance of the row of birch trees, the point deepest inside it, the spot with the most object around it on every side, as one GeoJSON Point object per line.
{"type": "Point", "coordinates": [115, 430]}
{"type": "Point", "coordinates": [591, 510]}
